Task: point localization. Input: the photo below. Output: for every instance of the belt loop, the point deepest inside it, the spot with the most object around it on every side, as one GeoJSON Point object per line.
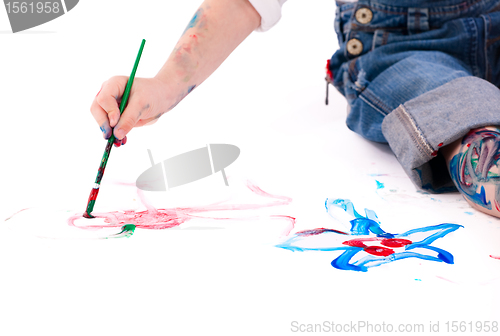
{"type": "Point", "coordinates": [339, 29]}
{"type": "Point", "coordinates": [379, 38]}
{"type": "Point", "coordinates": [418, 20]}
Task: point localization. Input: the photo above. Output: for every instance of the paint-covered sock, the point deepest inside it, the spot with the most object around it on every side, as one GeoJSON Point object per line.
{"type": "Point", "coordinates": [473, 165]}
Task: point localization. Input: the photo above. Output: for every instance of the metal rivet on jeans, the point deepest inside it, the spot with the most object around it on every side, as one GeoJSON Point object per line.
{"type": "Point", "coordinates": [364, 15]}
{"type": "Point", "coordinates": [354, 47]}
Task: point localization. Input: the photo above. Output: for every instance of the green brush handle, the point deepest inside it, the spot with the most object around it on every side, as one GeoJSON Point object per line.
{"type": "Point", "coordinates": [111, 140]}
{"type": "Point", "coordinates": [130, 81]}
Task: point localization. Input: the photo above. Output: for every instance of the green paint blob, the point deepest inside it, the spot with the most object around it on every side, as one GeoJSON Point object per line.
{"type": "Point", "coordinates": [128, 227]}
{"type": "Point", "coordinates": [127, 231]}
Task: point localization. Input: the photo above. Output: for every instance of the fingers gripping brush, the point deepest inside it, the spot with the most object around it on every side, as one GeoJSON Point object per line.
{"type": "Point", "coordinates": [109, 145]}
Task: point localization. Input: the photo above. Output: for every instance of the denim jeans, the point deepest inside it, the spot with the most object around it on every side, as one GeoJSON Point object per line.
{"type": "Point", "coordinates": [418, 75]}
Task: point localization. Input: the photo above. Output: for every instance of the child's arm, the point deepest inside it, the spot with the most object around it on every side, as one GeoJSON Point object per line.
{"type": "Point", "coordinates": [216, 29]}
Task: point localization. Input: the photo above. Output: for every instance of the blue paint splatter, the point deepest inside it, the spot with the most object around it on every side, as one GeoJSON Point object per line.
{"type": "Point", "coordinates": [348, 207]}
{"type": "Point", "coordinates": [194, 20]}
{"type": "Point", "coordinates": [414, 243]}
{"type": "Point", "coordinates": [469, 213]}
{"type": "Point", "coordinates": [380, 185]}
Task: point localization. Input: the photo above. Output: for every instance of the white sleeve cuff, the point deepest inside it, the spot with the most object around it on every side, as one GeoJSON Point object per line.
{"type": "Point", "coordinates": [269, 11]}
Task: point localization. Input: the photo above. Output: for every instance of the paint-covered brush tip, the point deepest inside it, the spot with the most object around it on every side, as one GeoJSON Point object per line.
{"type": "Point", "coordinates": [87, 215]}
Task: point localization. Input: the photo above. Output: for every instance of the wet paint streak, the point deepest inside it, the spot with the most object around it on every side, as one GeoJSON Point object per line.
{"type": "Point", "coordinates": [291, 224]}
{"type": "Point", "coordinates": [495, 257]}
{"type": "Point", "coordinates": [127, 231]}
{"type": "Point", "coordinates": [363, 226]}
{"type": "Point", "coordinates": [475, 164]}
{"type": "Point", "coordinates": [379, 250]}
{"type": "Point", "coordinates": [395, 242]}
{"type": "Point", "coordinates": [317, 232]}
{"type": "Point", "coordinates": [364, 251]}
{"type": "Point", "coordinates": [348, 207]}
{"type": "Point", "coordinates": [160, 219]}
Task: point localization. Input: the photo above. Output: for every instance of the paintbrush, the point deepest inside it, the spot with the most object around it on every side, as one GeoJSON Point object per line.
{"type": "Point", "coordinates": [109, 145]}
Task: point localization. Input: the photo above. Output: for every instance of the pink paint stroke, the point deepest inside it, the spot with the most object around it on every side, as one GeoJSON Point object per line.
{"type": "Point", "coordinates": [442, 278]}
{"type": "Point", "coordinates": [495, 257]}
{"type": "Point", "coordinates": [159, 219]}
{"type": "Point", "coordinates": [6, 219]}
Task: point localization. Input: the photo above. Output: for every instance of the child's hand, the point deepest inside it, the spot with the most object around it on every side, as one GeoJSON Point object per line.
{"type": "Point", "coordinates": [148, 100]}
{"type": "Point", "coordinates": [212, 34]}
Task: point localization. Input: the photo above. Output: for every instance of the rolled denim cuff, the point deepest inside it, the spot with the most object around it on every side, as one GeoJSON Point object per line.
{"type": "Point", "coordinates": [417, 129]}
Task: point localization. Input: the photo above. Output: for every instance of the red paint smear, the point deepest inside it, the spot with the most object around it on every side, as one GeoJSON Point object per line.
{"type": "Point", "coordinates": [355, 243]}
{"type": "Point", "coordinates": [379, 250]}
{"type": "Point", "coordinates": [159, 219]}
{"type": "Point", "coordinates": [313, 232]}
{"type": "Point", "coordinates": [290, 226]}
{"type": "Point", "coordinates": [395, 242]}
{"type": "Point", "coordinates": [361, 240]}
{"type": "Point", "coordinates": [495, 257]}
{"type": "Point", "coordinates": [119, 142]}
{"type": "Point", "coordinates": [328, 71]}
{"type": "Point", "coordinates": [358, 242]}
{"type": "Point", "coordinates": [440, 144]}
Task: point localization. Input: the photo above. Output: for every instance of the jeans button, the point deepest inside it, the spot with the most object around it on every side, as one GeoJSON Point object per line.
{"type": "Point", "coordinates": [354, 47]}
{"type": "Point", "coordinates": [364, 15]}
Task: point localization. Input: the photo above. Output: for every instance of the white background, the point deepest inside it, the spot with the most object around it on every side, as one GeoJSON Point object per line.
{"type": "Point", "coordinates": [208, 277]}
